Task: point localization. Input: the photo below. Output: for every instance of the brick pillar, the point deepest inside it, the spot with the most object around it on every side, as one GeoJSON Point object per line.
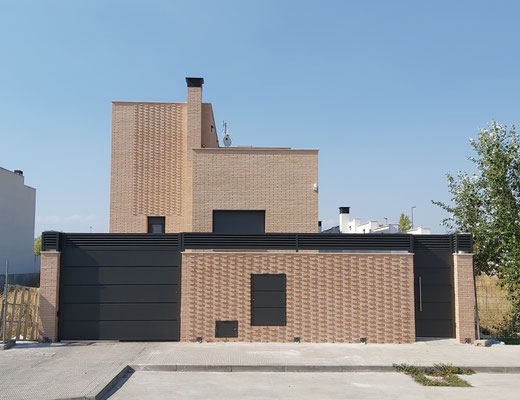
{"type": "Point", "coordinates": [464, 297]}
{"type": "Point", "coordinates": [49, 295]}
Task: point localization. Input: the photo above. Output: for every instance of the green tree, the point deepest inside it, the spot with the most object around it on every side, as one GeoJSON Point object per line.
{"type": "Point", "coordinates": [38, 245]}
{"type": "Point", "coordinates": [404, 223]}
{"type": "Point", "coordinates": [486, 203]}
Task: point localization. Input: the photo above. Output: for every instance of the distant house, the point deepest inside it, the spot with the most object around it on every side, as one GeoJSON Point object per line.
{"type": "Point", "coordinates": [347, 225]}
{"type": "Point", "coordinates": [17, 211]}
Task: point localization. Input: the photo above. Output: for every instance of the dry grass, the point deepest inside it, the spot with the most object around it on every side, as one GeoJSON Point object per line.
{"type": "Point", "coordinates": [493, 306]}
{"type": "Point", "coordinates": [27, 310]}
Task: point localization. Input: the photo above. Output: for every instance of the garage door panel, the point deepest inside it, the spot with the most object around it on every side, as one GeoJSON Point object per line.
{"type": "Point", "coordinates": [434, 310]}
{"type": "Point", "coordinates": [120, 294]}
{"type": "Point", "coordinates": [436, 293]}
{"type": "Point", "coordinates": [119, 330]}
{"type": "Point", "coordinates": [434, 276]}
{"type": "Point", "coordinates": [120, 275]}
{"type": "Point", "coordinates": [434, 328]}
{"type": "Point", "coordinates": [120, 312]}
{"type": "Point", "coordinates": [130, 257]}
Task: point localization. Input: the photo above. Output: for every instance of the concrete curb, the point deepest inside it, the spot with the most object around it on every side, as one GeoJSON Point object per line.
{"type": "Point", "coordinates": [102, 394]}
{"type": "Point", "coordinates": [299, 368]}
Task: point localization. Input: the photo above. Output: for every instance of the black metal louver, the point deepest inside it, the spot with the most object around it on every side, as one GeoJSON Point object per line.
{"type": "Point", "coordinates": [50, 240]}
{"type": "Point", "coordinates": [121, 240]}
{"type": "Point", "coordinates": [434, 242]}
{"type": "Point", "coordinates": [282, 241]}
{"type": "Point", "coordinates": [354, 242]}
{"type": "Point", "coordinates": [275, 241]}
{"type": "Point", "coordinates": [464, 242]}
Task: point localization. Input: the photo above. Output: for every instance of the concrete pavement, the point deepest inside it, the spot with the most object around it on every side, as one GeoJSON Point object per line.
{"type": "Point", "coordinates": [84, 369]}
{"type": "Point", "coordinates": [307, 386]}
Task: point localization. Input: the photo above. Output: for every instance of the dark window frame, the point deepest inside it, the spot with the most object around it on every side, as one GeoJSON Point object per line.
{"type": "Point", "coordinates": [151, 223]}
{"type": "Point", "coordinates": [254, 318]}
{"type": "Point", "coordinates": [223, 211]}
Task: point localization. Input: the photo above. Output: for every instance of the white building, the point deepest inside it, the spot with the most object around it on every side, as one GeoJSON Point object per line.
{"type": "Point", "coordinates": [348, 225]}
{"type": "Point", "coordinates": [17, 211]}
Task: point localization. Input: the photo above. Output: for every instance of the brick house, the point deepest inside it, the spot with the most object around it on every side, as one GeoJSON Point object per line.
{"type": "Point", "coordinates": [169, 173]}
{"type": "Point", "coordinates": [221, 244]}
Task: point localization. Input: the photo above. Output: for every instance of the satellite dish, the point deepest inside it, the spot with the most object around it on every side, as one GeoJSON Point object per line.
{"type": "Point", "coordinates": [226, 138]}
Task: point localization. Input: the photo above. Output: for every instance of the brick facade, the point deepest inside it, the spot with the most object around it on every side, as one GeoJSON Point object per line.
{"type": "Point", "coordinates": [279, 181]}
{"type": "Point", "coordinates": [330, 297]}
{"type": "Point", "coordinates": [464, 291]}
{"type": "Point", "coordinates": [49, 295]}
{"type": "Point", "coordinates": [166, 162]}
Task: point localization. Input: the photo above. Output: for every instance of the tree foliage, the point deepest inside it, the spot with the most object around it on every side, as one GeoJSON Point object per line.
{"type": "Point", "coordinates": [38, 245]}
{"type": "Point", "coordinates": [404, 223]}
{"type": "Point", "coordinates": [486, 203]}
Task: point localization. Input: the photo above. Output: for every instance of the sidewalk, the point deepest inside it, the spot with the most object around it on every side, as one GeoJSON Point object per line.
{"type": "Point", "coordinates": [83, 369]}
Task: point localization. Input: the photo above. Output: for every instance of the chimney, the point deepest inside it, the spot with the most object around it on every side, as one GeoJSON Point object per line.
{"type": "Point", "coordinates": [344, 219]}
{"type": "Point", "coordinates": [18, 172]}
{"type": "Point", "coordinates": [194, 140]}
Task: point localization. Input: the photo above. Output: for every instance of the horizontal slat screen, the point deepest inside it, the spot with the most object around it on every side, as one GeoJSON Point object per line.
{"type": "Point", "coordinates": [50, 240]}
{"type": "Point", "coordinates": [354, 242]}
{"type": "Point", "coordinates": [275, 241]}
{"type": "Point", "coordinates": [464, 242]}
{"type": "Point", "coordinates": [121, 239]}
{"type": "Point", "coordinates": [227, 241]}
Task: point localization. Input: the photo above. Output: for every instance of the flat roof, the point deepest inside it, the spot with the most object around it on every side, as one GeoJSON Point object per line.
{"type": "Point", "coordinates": [238, 149]}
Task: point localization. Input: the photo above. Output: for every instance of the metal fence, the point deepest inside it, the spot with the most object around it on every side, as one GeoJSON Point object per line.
{"type": "Point", "coordinates": [274, 241]}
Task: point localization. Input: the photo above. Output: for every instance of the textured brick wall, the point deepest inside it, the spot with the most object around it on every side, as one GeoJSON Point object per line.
{"type": "Point", "coordinates": [330, 297]}
{"type": "Point", "coordinates": [49, 294]}
{"type": "Point", "coordinates": [148, 166]}
{"type": "Point", "coordinates": [155, 147]}
{"type": "Point", "coordinates": [464, 296]}
{"type": "Point", "coordinates": [275, 180]}
{"type": "Point", "coordinates": [209, 129]}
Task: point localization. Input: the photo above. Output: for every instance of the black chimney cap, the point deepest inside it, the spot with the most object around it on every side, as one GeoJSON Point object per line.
{"type": "Point", "coordinates": [344, 210]}
{"type": "Point", "coordinates": [194, 82]}
{"type": "Point", "coordinates": [18, 172]}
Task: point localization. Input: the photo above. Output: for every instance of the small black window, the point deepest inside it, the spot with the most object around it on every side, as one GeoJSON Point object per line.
{"type": "Point", "coordinates": [239, 221]}
{"type": "Point", "coordinates": [268, 300]}
{"type": "Point", "coordinates": [156, 224]}
{"type": "Point", "coordinates": [226, 329]}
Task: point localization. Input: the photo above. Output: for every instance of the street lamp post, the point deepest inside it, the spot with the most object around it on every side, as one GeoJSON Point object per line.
{"type": "Point", "coordinates": [412, 215]}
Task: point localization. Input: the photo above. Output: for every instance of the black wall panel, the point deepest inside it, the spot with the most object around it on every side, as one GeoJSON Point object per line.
{"type": "Point", "coordinates": [268, 300]}
{"type": "Point", "coordinates": [433, 286]}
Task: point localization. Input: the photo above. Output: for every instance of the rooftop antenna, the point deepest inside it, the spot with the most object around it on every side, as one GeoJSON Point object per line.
{"type": "Point", "coordinates": [226, 137]}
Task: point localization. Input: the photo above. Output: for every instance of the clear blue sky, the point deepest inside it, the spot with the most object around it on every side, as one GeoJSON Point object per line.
{"type": "Point", "coordinates": [389, 92]}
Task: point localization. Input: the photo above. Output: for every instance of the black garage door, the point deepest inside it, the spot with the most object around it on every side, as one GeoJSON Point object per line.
{"type": "Point", "coordinates": [119, 289]}
{"type": "Point", "coordinates": [433, 284]}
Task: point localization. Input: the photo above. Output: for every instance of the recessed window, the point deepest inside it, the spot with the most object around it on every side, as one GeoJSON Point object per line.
{"type": "Point", "coordinates": [156, 224]}
{"type": "Point", "coordinates": [268, 300]}
{"type": "Point", "coordinates": [239, 221]}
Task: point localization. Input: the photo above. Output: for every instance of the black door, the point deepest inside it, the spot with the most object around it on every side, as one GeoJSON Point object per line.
{"type": "Point", "coordinates": [433, 284]}
{"type": "Point", "coordinates": [239, 221]}
{"type": "Point", "coordinates": [122, 287]}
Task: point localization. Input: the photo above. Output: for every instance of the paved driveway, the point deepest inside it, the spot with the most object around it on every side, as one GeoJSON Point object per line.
{"type": "Point", "coordinates": [58, 371]}
{"type": "Point", "coordinates": [303, 386]}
